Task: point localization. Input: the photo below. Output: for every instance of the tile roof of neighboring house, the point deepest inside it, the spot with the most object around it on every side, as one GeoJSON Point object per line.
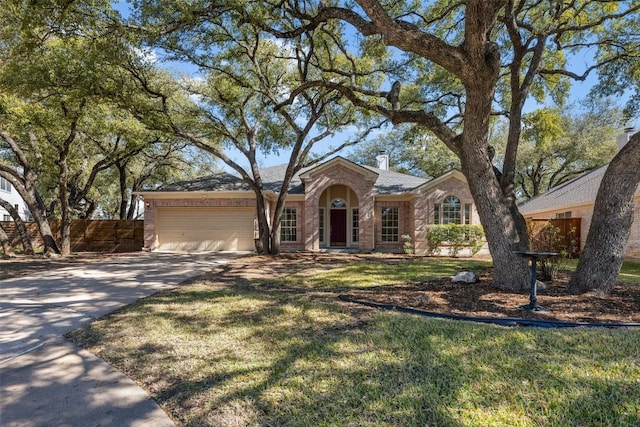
{"type": "Point", "coordinates": [579, 191]}
{"type": "Point", "coordinates": [388, 182]}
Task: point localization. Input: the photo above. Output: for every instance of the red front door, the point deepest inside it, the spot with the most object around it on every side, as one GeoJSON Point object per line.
{"type": "Point", "coordinates": [338, 224]}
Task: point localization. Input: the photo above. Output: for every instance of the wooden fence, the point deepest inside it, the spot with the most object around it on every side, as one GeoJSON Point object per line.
{"type": "Point", "coordinates": [567, 236]}
{"type": "Point", "coordinates": [88, 235]}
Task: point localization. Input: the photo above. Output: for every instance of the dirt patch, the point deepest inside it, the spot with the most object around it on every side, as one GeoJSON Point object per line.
{"type": "Point", "coordinates": [479, 299]}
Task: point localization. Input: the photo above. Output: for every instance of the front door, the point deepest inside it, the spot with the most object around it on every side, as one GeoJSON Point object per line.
{"type": "Point", "coordinates": [338, 226]}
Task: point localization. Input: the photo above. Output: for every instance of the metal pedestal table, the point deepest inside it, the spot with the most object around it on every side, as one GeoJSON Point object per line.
{"type": "Point", "coordinates": [533, 298]}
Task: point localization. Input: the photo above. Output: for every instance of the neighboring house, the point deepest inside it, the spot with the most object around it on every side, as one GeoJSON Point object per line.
{"type": "Point", "coordinates": [8, 193]}
{"type": "Point", "coordinates": [336, 204]}
{"type": "Point", "coordinates": [576, 199]}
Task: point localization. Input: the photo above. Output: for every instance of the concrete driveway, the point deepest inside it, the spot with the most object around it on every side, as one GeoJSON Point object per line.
{"type": "Point", "coordinates": [48, 381]}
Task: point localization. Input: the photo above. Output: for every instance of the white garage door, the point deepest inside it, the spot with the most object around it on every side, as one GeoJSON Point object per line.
{"type": "Point", "coordinates": [205, 229]}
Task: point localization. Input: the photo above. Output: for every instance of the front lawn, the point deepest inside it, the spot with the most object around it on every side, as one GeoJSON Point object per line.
{"type": "Point", "coordinates": [265, 342]}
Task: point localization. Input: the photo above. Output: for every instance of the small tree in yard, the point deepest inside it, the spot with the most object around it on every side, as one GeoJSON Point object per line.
{"type": "Point", "coordinates": [550, 239]}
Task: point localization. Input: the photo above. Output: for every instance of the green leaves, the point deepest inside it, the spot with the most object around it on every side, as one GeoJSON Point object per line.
{"type": "Point", "coordinates": [558, 145]}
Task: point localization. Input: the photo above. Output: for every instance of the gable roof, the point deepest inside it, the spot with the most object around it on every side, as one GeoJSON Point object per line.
{"type": "Point", "coordinates": [579, 191]}
{"type": "Point", "coordinates": [386, 182]}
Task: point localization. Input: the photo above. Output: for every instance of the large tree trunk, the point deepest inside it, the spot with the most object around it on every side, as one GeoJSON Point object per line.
{"type": "Point", "coordinates": [613, 212]}
{"type": "Point", "coordinates": [21, 228]}
{"type": "Point", "coordinates": [50, 244]}
{"type": "Point", "coordinates": [503, 225]}
{"type": "Point", "coordinates": [7, 248]}
{"type": "Point", "coordinates": [39, 214]}
{"type": "Point", "coordinates": [510, 270]}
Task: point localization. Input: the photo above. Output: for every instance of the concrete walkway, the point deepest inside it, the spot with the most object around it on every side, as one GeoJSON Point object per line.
{"type": "Point", "coordinates": [48, 381]}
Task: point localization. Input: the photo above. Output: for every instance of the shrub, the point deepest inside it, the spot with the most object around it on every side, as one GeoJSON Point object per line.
{"type": "Point", "coordinates": [455, 237]}
{"type": "Point", "coordinates": [407, 245]}
{"type": "Point", "coordinates": [550, 239]}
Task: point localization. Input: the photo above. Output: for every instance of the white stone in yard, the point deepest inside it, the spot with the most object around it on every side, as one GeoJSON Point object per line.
{"type": "Point", "coordinates": [465, 277]}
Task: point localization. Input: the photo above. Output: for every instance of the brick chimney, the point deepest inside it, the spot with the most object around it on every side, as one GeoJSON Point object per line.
{"type": "Point", "coordinates": [624, 137]}
{"type": "Point", "coordinates": [383, 160]}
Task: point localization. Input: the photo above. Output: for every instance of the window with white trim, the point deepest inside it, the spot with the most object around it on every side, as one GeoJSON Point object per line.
{"type": "Point", "coordinates": [288, 225]}
{"type": "Point", "coordinates": [5, 185]}
{"type": "Point", "coordinates": [355, 224]}
{"type": "Point", "coordinates": [451, 210]}
{"type": "Point", "coordinates": [6, 217]}
{"type": "Point", "coordinates": [390, 224]}
{"type": "Point", "coordinates": [321, 226]}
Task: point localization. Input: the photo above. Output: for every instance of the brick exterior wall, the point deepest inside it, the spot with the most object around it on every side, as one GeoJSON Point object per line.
{"type": "Point", "coordinates": [416, 210]}
{"type": "Point", "coordinates": [424, 204]}
{"type": "Point", "coordinates": [339, 175]}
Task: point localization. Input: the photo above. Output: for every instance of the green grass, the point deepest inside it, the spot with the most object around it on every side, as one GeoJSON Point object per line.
{"type": "Point", "coordinates": [228, 351]}
{"type": "Point", "coordinates": [630, 271]}
{"type": "Point", "coordinates": [372, 273]}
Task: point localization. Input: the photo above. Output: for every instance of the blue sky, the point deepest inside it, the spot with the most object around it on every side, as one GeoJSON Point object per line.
{"type": "Point", "coordinates": [579, 90]}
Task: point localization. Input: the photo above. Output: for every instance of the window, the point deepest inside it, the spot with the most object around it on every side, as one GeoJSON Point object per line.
{"type": "Point", "coordinates": [451, 210]}
{"type": "Point", "coordinates": [563, 215]}
{"type": "Point", "coordinates": [321, 224]}
{"type": "Point", "coordinates": [467, 213]}
{"type": "Point", "coordinates": [355, 225]}
{"type": "Point", "coordinates": [338, 203]}
{"type": "Point", "coordinates": [5, 185]}
{"type": "Point", "coordinates": [288, 226]}
{"type": "Point", "coordinates": [390, 224]}
{"type": "Point", "coordinates": [6, 217]}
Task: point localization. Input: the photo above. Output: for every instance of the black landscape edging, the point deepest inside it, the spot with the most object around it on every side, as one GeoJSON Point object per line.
{"type": "Point", "coordinates": [502, 321]}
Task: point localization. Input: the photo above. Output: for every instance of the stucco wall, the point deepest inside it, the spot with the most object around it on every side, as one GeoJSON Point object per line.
{"type": "Point", "coordinates": [585, 212]}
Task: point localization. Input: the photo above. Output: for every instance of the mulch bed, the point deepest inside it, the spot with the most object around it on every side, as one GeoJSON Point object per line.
{"type": "Point", "coordinates": [481, 299]}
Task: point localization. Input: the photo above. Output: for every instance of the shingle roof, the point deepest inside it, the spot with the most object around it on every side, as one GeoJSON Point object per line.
{"type": "Point", "coordinates": [222, 181]}
{"type": "Point", "coordinates": [579, 191]}
{"type": "Point", "coordinates": [388, 182]}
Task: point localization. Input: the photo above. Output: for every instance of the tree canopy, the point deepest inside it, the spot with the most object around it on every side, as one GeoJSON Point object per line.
{"type": "Point", "coordinates": [282, 75]}
{"type": "Point", "coordinates": [459, 65]}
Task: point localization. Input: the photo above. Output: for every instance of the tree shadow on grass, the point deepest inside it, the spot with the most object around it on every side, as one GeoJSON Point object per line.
{"type": "Point", "coordinates": [254, 352]}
